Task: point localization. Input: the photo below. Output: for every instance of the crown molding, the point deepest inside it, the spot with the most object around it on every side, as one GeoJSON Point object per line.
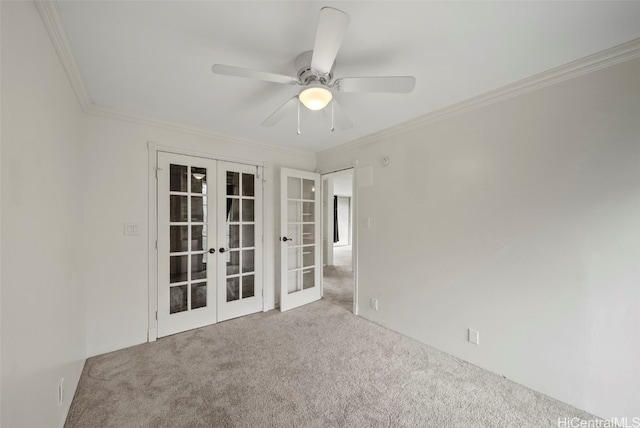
{"type": "Point", "coordinates": [615, 55]}
{"type": "Point", "coordinates": [50, 14]}
{"type": "Point", "coordinates": [94, 110]}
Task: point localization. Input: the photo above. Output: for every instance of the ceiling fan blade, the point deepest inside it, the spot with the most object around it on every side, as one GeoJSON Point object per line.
{"type": "Point", "coordinates": [332, 26]}
{"type": "Point", "coordinates": [229, 70]}
{"type": "Point", "coordinates": [281, 112]}
{"type": "Point", "coordinates": [391, 84]}
{"type": "Point", "coordinates": [341, 120]}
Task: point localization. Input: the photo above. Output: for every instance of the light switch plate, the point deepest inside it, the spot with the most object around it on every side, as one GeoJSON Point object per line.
{"type": "Point", "coordinates": [131, 229]}
{"type": "Point", "coordinates": [474, 336]}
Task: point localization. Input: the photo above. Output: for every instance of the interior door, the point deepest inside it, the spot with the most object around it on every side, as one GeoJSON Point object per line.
{"type": "Point", "coordinates": [300, 242]}
{"type": "Point", "coordinates": [186, 239]}
{"type": "Point", "coordinates": [209, 242]}
{"type": "Point", "coordinates": [240, 240]}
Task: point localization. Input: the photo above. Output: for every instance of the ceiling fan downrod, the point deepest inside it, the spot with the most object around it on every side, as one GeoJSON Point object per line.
{"type": "Point", "coordinates": [332, 123]}
{"type": "Point", "coordinates": [298, 117]}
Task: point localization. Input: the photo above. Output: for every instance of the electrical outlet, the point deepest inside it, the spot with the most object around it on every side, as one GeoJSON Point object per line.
{"type": "Point", "coordinates": [374, 304]}
{"type": "Point", "coordinates": [474, 336]}
{"type": "Point", "coordinates": [61, 392]}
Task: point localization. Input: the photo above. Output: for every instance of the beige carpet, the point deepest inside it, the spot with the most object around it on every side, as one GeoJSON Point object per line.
{"type": "Point", "coordinates": [314, 366]}
{"type": "Point", "coordinates": [338, 279]}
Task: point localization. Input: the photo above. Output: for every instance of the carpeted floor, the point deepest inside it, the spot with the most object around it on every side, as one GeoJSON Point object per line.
{"type": "Point", "coordinates": [338, 279]}
{"type": "Point", "coordinates": [314, 366]}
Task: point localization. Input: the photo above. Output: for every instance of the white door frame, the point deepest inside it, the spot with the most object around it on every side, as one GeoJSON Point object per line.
{"type": "Point", "coordinates": [354, 224]}
{"type": "Point", "coordinates": [152, 155]}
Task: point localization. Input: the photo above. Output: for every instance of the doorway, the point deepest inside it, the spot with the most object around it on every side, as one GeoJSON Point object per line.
{"type": "Point", "coordinates": [338, 266]}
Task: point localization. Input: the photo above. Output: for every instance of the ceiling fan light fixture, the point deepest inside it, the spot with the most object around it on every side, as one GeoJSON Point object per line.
{"type": "Point", "coordinates": [315, 97]}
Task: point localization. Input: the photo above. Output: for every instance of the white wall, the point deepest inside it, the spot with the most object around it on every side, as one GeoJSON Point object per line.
{"type": "Point", "coordinates": [520, 219]}
{"type": "Point", "coordinates": [327, 221]}
{"type": "Point", "coordinates": [43, 337]}
{"type": "Point", "coordinates": [116, 176]}
{"type": "Point", "coordinates": [343, 183]}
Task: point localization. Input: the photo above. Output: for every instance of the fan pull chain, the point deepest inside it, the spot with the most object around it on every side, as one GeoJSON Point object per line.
{"type": "Point", "coordinates": [298, 117]}
{"type": "Point", "coordinates": [332, 123]}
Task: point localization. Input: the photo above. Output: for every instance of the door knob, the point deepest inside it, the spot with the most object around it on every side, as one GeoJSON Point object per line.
{"type": "Point", "coordinates": [221, 250]}
{"type": "Point", "coordinates": [212, 250]}
{"type": "Point", "coordinates": [285, 239]}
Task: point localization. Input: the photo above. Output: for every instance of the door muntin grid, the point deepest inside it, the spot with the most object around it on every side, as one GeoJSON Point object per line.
{"type": "Point", "coordinates": [240, 235]}
{"type": "Point", "coordinates": [188, 247]}
{"type": "Point", "coordinates": [301, 224]}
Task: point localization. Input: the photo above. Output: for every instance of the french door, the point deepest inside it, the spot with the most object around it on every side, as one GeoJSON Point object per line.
{"type": "Point", "coordinates": [300, 242]}
{"type": "Point", "coordinates": [209, 242]}
{"type": "Point", "coordinates": [240, 236]}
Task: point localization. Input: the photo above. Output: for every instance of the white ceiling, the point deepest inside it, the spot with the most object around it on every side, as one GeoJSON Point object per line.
{"type": "Point", "coordinates": [154, 58]}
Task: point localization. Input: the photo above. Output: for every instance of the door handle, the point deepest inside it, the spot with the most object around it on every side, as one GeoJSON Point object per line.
{"type": "Point", "coordinates": [285, 239]}
{"type": "Point", "coordinates": [212, 250]}
{"type": "Point", "coordinates": [221, 250]}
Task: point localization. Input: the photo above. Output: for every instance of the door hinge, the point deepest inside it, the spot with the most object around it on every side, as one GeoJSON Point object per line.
{"type": "Point", "coordinates": [156, 244]}
{"type": "Point", "coordinates": [157, 169]}
{"type": "Point", "coordinates": [156, 315]}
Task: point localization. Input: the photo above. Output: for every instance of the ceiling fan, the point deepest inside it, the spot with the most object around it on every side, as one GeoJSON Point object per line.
{"type": "Point", "coordinates": [315, 75]}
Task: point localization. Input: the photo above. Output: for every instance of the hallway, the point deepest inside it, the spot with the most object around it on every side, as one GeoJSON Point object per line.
{"type": "Point", "coordinates": [338, 279]}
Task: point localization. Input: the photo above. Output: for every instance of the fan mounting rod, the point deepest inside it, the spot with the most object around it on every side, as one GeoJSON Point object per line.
{"type": "Point", "coordinates": [307, 75]}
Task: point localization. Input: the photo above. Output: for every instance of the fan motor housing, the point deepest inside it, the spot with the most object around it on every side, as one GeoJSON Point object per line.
{"type": "Point", "coordinates": [308, 76]}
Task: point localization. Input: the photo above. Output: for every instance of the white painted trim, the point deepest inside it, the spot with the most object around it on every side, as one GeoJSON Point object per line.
{"type": "Point", "coordinates": [50, 14]}
{"type": "Point", "coordinates": [203, 154]}
{"type": "Point", "coordinates": [152, 250]}
{"type": "Point", "coordinates": [615, 55]}
{"type": "Point", "coordinates": [178, 127]}
{"type": "Point", "coordinates": [268, 244]}
{"type": "Point", "coordinates": [354, 236]}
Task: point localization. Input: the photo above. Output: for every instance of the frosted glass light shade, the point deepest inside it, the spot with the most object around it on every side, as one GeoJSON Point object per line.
{"type": "Point", "coordinates": [315, 97]}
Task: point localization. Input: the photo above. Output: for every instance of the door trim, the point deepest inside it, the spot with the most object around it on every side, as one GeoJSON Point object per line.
{"type": "Point", "coordinates": [152, 220]}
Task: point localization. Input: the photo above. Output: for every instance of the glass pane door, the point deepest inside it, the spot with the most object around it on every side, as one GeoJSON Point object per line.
{"type": "Point", "coordinates": [240, 232]}
{"type": "Point", "coordinates": [188, 255]}
{"type": "Point", "coordinates": [186, 292]}
{"type": "Point", "coordinates": [300, 238]}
